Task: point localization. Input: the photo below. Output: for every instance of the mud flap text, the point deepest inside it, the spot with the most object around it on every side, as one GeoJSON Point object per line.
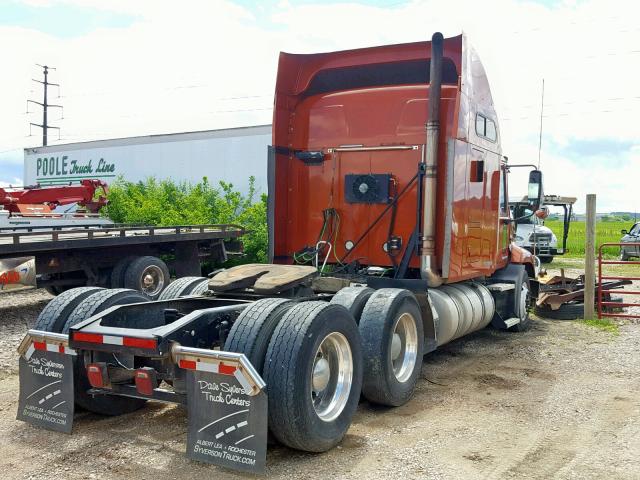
{"type": "Point", "coordinates": [227, 426]}
{"type": "Point", "coordinates": [46, 390]}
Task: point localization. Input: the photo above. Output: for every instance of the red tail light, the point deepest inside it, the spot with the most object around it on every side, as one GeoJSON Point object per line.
{"type": "Point", "coordinates": [97, 375]}
{"type": "Point", "coordinates": [145, 380]}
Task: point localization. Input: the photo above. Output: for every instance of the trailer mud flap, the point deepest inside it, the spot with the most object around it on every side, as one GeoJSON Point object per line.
{"type": "Point", "coordinates": [227, 427]}
{"type": "Point", "coordinates": [227, 407]}
{"type": "Point", "coordinates": [46, 383]}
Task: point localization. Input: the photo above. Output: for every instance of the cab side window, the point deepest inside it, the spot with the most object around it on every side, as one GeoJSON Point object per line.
{"type": "Point", "coordinates": [504, 207]}
{"type": "Point", "coordinates": [635, 230]}
{"type": "Point", "coordinates": [486, 128]}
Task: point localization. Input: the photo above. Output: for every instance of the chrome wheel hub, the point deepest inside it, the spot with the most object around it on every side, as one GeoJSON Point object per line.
{"type": "Point", "coordinates": [321, 375]}
{"type": "Point", "coordinates": [396, 346]}
{"type": "Point", "coordinates": [404, 347]}
{"type": "Point", "coordinates": [331, 376]}
{"type": "Point", "coordinates": [152, 280]}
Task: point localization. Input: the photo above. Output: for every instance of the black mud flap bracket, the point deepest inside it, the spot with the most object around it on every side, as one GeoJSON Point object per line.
{"type": "Point", "coordinates": [46, 381]}
{"type": "Point", "coordinates": [227, 407]}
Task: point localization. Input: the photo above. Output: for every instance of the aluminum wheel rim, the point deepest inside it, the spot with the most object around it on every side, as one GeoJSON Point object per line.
{"type": "Point", "coordinates": [152, 280]}
{"type": "Point", "coordinates": [404, 347]}
{"type": "Point", "coordinates": [331, 376]}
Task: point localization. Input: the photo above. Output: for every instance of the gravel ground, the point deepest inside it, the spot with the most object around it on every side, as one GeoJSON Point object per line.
{"type": "Point", "coordinates": [561, 400]}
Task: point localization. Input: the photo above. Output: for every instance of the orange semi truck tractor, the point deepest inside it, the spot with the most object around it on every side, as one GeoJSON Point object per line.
{"type": "Point", "coordinates": [389, 236]}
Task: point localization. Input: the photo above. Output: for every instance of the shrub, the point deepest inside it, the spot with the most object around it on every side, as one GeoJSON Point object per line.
{"type": "Point", "coordinates": [166, 203]}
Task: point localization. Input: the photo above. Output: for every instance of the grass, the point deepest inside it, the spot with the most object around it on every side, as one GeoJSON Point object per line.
{"type": "Point", "coordinates": [572, 262]}
{"type": "Point", "coordinates": [604, 325]}
{"type": "Point", "coordinates": [606, 232]}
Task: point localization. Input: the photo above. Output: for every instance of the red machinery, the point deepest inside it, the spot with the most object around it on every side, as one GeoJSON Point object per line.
{"type": "Point", "coordinates": [39, 200]}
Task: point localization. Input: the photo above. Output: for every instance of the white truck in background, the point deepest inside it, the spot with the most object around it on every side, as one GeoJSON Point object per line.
{"type": "Point", "coordinates": [530, 231]}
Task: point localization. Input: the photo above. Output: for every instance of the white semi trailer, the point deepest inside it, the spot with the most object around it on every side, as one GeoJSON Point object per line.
{"type": "Point", "coordinates": [232, 155]}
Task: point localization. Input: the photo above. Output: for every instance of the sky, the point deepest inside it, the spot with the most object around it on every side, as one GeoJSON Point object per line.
{"type": "Point", "coordinates": [137, 67]}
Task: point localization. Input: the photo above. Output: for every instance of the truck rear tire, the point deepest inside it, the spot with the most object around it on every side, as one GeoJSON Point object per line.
{"type": "Point", "coordinates": [54, 315]}
{"type": "Point", "coordinates": [201, 288]}
{"type": "Point", "coordinates": [180, 287]}
{"type": "Point", "coordinates": [103, 404]}
{"type": "Point", "coordinates": [392, 346]}
{"type": "Point", "coordinates": [313, 372]}
{"type": "Point", "coordinates": [147, 274]}
{"type": "Point", "coordinates": [117, 274]}
{"type": "Point", "coordinates": [252, 331]}
{"type": "Point", "coordinates": [353, 299]}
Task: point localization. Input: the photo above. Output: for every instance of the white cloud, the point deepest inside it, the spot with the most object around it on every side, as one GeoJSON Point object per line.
{"type": "Point", "coordinates": [182, 66]}
{"type": "Point", "coordinates": [15, 182]}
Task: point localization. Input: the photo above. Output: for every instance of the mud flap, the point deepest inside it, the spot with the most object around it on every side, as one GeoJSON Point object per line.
{"type": "Point", "coordinates": [227, 407]}
{"type": "Point", "coordinates": [46, 385]}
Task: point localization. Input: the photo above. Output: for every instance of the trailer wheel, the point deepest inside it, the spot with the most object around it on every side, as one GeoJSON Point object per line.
{"type": "Point", "coordinates": [103, 404]}
{"type": "Point", "coordinates": [252, 331]}
{"type": "Point", "coordinates": [180, 287]}
{"type": "Point", "coordinates": [201, 288]}
{"type": "Point", "coordinates": [522, 304]}
{"type": "Point", "coordinates": [392, 346]}
{"type": "Point", "coordinates": [54, 315]}
{"type": "Point", "coordinates": [117, 274]}
{"type": "Point", "coordinates": [353, 299]}
{"type": "Point", "coordinates": [313, 372]}
{"type": "Point", "coordinates": [148, 275]}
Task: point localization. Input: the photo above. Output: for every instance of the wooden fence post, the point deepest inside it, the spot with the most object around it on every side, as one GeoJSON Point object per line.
{"type": "Point", "coordinates": [589, 259]}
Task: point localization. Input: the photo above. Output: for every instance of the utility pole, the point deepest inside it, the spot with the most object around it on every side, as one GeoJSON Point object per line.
{"type": "Point", "coordinates": [45, 105]}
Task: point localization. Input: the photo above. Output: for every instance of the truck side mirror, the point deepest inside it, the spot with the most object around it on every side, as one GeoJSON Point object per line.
{"type": "Point", "coordinates": [535, 189]}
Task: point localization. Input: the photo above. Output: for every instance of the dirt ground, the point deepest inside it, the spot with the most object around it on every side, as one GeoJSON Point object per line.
{"type": "Point", "coordinates": [561, 400]}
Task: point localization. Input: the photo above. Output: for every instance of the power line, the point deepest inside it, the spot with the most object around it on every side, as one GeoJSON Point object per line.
{"type": "Point", "coordinates": [573, 102]}
{"type": "Point", "coordinates": [11, 150]}
{"type": "Point", "coordinates": [568, 114]}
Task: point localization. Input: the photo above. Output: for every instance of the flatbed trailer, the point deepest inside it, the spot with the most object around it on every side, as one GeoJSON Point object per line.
{"type": "Point", "coordinates": [62, 258]}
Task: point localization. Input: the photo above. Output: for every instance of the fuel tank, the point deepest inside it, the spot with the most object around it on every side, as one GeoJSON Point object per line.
{"type": "Point", "coordinates": [461, 308]}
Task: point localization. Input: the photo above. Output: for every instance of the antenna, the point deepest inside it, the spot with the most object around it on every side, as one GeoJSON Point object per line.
{"type": "Point", "coordinates": [45, 105]}
{"type": "Point", "coordinates": [541, 113]}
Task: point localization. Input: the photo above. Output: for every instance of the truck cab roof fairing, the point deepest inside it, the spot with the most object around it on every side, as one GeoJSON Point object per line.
{"type": "Point", "coordinates": [301, 75]}
{"type": "Point", "coordinates": [375, 98]}
{"type": "Point", "coordinates": [297, 71]}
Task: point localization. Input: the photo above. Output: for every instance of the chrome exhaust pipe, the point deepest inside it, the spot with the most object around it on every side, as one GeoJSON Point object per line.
{"type": "Point", "coordinates": [428, 260]}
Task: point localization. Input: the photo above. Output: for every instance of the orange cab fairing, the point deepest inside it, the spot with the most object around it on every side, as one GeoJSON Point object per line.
{"type": "Point", "coordinates": [365, 110]}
